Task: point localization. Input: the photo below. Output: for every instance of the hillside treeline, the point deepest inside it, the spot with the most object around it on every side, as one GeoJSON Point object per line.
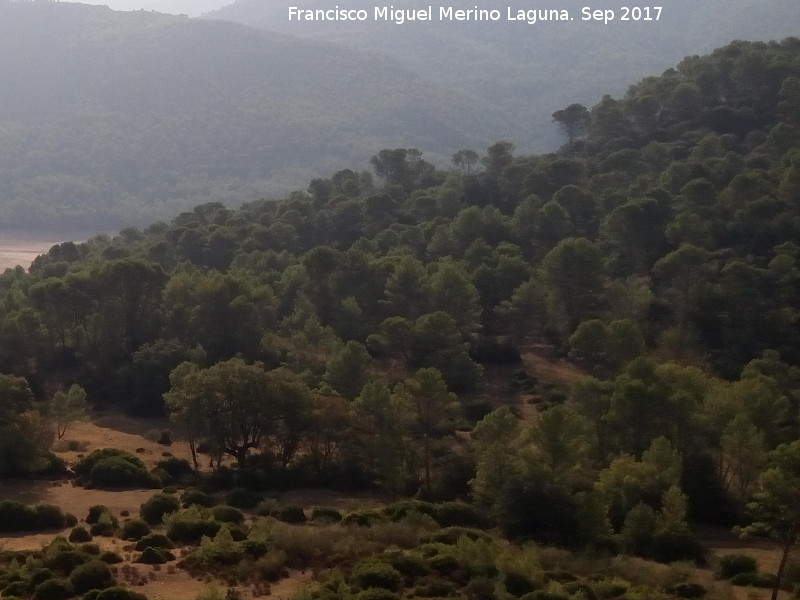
{"type": "Point", "coordinates": [343, 335]}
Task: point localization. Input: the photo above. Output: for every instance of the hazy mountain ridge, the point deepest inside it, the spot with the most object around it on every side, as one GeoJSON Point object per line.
{"type": "Point", "coordinates": [118, 118]}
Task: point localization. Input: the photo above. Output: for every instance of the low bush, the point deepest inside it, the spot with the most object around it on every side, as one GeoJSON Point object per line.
{"type": "Point", "coordinates": [758, 580]}
{"type": "Point", "coordinates": [93, 575]}
{"type": "Point", "coordinates": [154, 509]}
{"type": "Point", "coordinates": [114, 468]}
{"type": "Point", "coordinates": [376, 594]}
{"type": "Point", "coordinates": [155, 556]}
{"type": "Point", "coordinates": [689, 590]}
{"type": "Point", "coordinates": [15, 516]}
{"type": "Point", "coordinates": [227, 514]}
{"type": "Point", "coordinates": [325, 514]}
{"type": "Point", "coordinates": [53, 589]}
{"type": "Point", "coordinates": [196, 497]}
{"type": "Point", "coordinates": [79, 534]}
{"type": "Point", "coordinates": [154, 540]}
{"type": "Point", "coordinates": [363, 518]}
{"type": "Point", "coordinates": [734, 564]}
{"type": "Point", "coordinates": [243, 498]}
{"type": "Point", "coordinates": [518, 584]}
{"type": "Point", "coordinates": [16, 588]}
{"type": "Point", "coordinates": [451, 535]}
{"type": "Point", "coordinates": [106, 525]}
{"type": "Point", "coordinates": [271, 566]}
{"type": "Point", "coordinates": [434, 587]}
{"type": "Point", "coordinates": [189, 525]}
{"type": "Point", "coordinates": [134, 529]}
{"type": "Point", "coordinates": [40, 576]}
{"type": "Point", "coordinates": [289, 513]}
{"type": "Point", "coordinates": [458, 513]}
{"type": "Point", "coordinates": [371, 573]}
{"type": "Point", "coordinates": [64, 561]}
{"type": "Point", "coordinates": [408, 565]}
{"type": "Point", "coordinates": [90, 548]}
{"type": "Point", "coordinates": [95, 512]}
{"type": "Point", "coordinates": [399, 510]}
{"type": "Point", "coordinates": [116, 593]}
{"type": "Point", "coordinates": [110, 557]}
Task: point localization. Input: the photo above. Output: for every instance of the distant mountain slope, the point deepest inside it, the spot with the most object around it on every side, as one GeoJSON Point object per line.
{"type": "Point", "coordinates": [110, 118]}
{"type": "Point", "coordinates": [529, 71]}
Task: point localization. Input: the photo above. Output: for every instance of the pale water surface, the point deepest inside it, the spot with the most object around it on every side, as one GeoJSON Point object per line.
{"type": "Point", "coordinates": [21, 249]}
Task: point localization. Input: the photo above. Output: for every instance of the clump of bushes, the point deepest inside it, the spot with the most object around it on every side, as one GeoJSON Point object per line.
{"type": "Point", "coordinates": [734, 564]}
{"type": "Point", "coordinates": [289, 513]}
{"type": "Point", "coordinates": [106, 525]}
{"type": "Point", "coordinates": [114, 468]}
{"type": "Point", "coordinates": [52, 589]}
{"type": "Point", "coordinates": [155, 556]}
{"type": "Point", "coordinates": [371, 573]}
{"type": "Point", "coordinates": [154, 540]}
{"type": "Point", "coordinates": [325, 514]}
{"type": "Point", "coordinates": [196, 497]}
{"type": "Point", "coordinates": [154, 509]}
{"type": "Point", "coordinates": [189, 525]}
{"type": "Point", "coordinates": [113, 593]}
{"type": "Point", "coordinates": [15, 516]}
{"type": "Point", "coordinates": [227, 514]}
{"type": "Point", "coordinates": [364, 518]}
{"type": "Point", "coordinates": [79, 534]}
{"type": "Point", "coordinates": [134, 529]}
{"type": "Point", "coordinates": [243, 498]}
{"type": "Point", "coordinates": [93, 575]}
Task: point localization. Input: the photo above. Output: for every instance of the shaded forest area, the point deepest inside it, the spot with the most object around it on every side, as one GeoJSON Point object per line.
{"type": "Point", "coordinates": [346, 335]}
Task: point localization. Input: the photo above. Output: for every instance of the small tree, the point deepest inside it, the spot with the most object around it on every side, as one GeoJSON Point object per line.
{"type": "Point", "coordinates": [574, 121]}
{"type": "Point", "coordinates": [68, 407]}
{"type": "Point", "coordinates": [775, 508]}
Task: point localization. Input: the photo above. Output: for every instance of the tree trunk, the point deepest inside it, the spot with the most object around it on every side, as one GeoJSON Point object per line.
{"type": "Point", "coordinates": [787, 546]}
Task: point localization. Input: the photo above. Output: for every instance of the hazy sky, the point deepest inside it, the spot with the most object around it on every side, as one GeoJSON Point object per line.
{"type": "Point", "coordinates": [189, 7]}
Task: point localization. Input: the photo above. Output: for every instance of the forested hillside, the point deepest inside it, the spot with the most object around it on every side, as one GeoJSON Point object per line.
{"type": "Point", "coordinates": [527, 71]}
{"type": "Point", "coordinates": [657, 251]}
{"type": "Point", "coordinates": [111, 119]}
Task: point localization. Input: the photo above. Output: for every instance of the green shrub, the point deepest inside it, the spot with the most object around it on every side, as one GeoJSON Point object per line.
{"type": "Point", "coordinates": [376, 594]}
{"type": "Point", "coordinates": [154, 540]}
{"type": "Point", "coordinates": [227, 514]}
{"type": "Point", "coordinates": [399, 510]}
{"type": "Point", "coordinates": [518, 584]}
{"type": "Point", "coordinates": [94, 574]}
{"type": "Point", "coordinates": [154, 509]}
{"type": "Point", "coordinates": [110, 558]}
{"type": "Point", "coordinates": [197, 497]}
{"type": "Point", "coordinates": [16, 588]}
{"type": "Point", "coordinates": [753, 580]}
{"type": "Point", "coordinates": [434, 587]}
{"type": "Point", "coordinates": [15, 516]}
{"type": "Point", "coordinates": [444, 564]}
{"type": "Point", "coordinates": [117, 593]}
{"type": "Point", "coordinates": [40, 576]}
{"type": "Point", "coordinates": [363, 518]}
{"type": "Point", "coordinates": [106, 525]}
{"type": "Point", "coordinates": [409, 565]}
{"type": "Point", "coordinates": [325, 514]}
{"type": "Point", "coordinates": [90, 548]}
{"type": "Point", "coordinates": [165, 438]}
{"type": "Point", "coordinates": [64, 561]}
{"type": "Point", "coordinates": [95, 512]}
{"type": "Point", "coordinates": [155, 556]}
{"type": "Point", "coordinates": [458, 513]}
{"type": "Point", "coordinates": [134, 529]}
{"type": "Point", "coordinates": [370, 573]}
{"type": "Point", "coordinates": [111, 467]}
{"type": "Point", "coordinates": [689, 590]}
{"type": "Point", "coordinates": [79, 534]}
{"type": "Point", "coordinates": [271, 566]}
{"type": "Point", "coordinates": [191, 524]}
{"type": "Point", "coordinates": [53, 589]}
{"type": "Point", "coordinates": [734, 564]}
{"type": "Point", "coordinates": [289, 513]}
{"type": "Point", "coordinates": [451, 535]}
{"type": "Point", "coordinates": [255, 548]}
{"type": "Point", "coordinates": [671, 546]}
{"type": "Point", "coordinates": [243, 498]}
{"type": "Point", "coordinates": [177, 470]}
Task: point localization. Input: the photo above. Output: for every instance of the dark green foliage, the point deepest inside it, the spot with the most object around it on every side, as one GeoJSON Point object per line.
{"type": "Point", "coordinates": [65, 561]}
{"type": "Point", "coordinates": [731, 565]}
{"type": "Point", "coordinates": [189, 530]}
{"type": "Point", "coordinates": [376, 574]}
{"type": "Point", "coordinates": [111, 558]}
{"type": "Point", "coordinates": [753, 579]}
{"type": "Point", "coordinates": [518, 584]}
{"type": "Point", "coordinates": [53, 589]}
{"type": "Point", "coordinates": [90, 548]}
{"type": "Point", "coordinates": [198, 497]}
{"type": "Point", "coordinates": [409, 565]}
{"type": "Point", "coordinates": [689, 590]}
{"type": "Point", "coordinates": [79, 534]}
{"type": "Point", "coordinates": [671, 546]}
{"type": "Point", "coordinates": [92, 575]}
{"type": "Point", "coordinates": [15, 516]}
{"type": "Point", "coordinates": [111, 467]}
{"type": "Point", "coordinates": [106, 525]}
{"type": "Point", "coordinates": [243, 498]}
{"type": "Point", "coordinates": [16, 588]}
{"type": "Point", "coordinates": [40, 575]}
{"type": "Point", "coordinates": [444, 564]}
{"type": "Point", "coordinates": [289, 513]}
{"type": "Point", "coordinates": [154, 540]}
{"type": "Point", "coordinates": [95, 512]}
{"type": "Point", "coordinates": [325, 514]}
{"type": "Point", "coordinates": [376, 593]}
{"type": "Point", "coordinates": [227, 514]}
{"type": "Point", "coordinates": [364, 518]}
{"type": "Point", "coordinates": [134, 529]}
{"type": "Point", "coordinates": [460, 514]}
{"type": "Point", "coordinates": [255, 548]}
{"type": "Point", "coordinates": [178, 469]}
{"type": "Point", "coordinates": [116, 593]}
{"type": "Point", "coordinates": [398, 510]}
{"type": "Point", "coordinates": [154, 509]}
{"type": "Point", "coordinates": [434, 587]}
{"type": "Point", "coordinates": [155, 556]}
{"type": "Point", "coordinates": [451, 535]}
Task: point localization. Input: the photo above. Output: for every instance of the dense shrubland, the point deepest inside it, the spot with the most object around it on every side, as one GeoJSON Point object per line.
{"type": "Point", "coordinates": [368, 334]}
